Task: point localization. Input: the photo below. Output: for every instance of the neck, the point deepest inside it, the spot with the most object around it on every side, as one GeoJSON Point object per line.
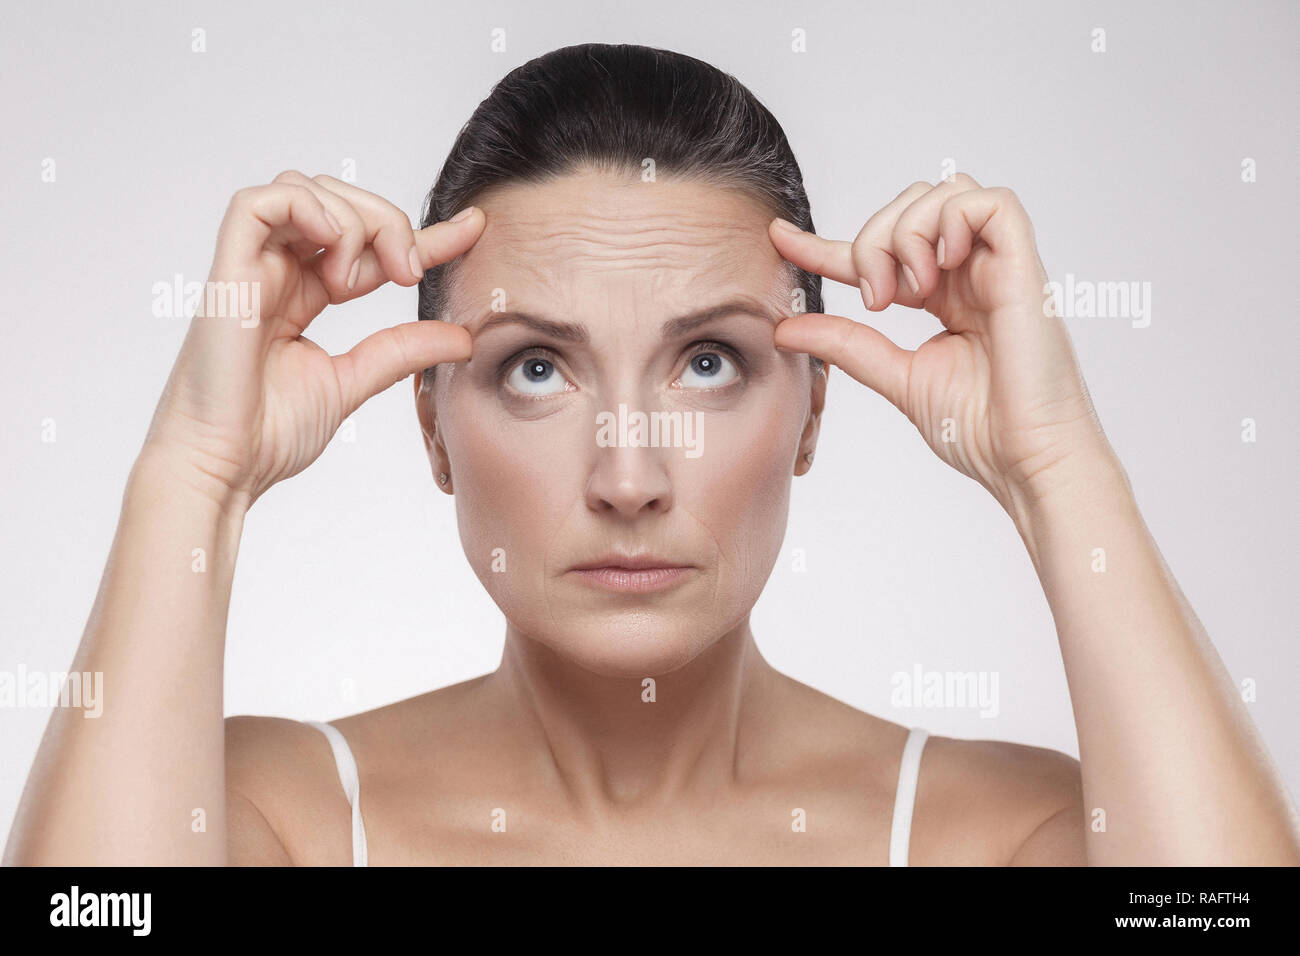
{"type": "Point", "coordinates": [608, 745]}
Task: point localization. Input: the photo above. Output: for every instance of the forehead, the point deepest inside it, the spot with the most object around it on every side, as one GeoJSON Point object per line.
{"type": "Point", "coordinates": [594, 234]}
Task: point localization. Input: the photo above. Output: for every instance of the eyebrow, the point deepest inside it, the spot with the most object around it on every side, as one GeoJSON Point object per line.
{"type": "Point", "coordinates": [577, 332]}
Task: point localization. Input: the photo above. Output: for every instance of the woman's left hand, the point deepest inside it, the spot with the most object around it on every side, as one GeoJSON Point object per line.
{"type": "Point", "coordinates": [998, 394]}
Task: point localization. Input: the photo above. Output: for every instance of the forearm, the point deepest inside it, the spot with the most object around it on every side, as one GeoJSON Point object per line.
{"type": "Point", "coordinates": [1167, 748]}
{"type": "Point", "coordinates": [123, 787]}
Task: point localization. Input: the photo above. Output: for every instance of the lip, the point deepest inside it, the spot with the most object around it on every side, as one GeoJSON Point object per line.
{"type": "Point", "coordinates": [629, 562]}
{"type": "Point", "coordinates": [632, 580]}
{"type": "Point", "coordinates": [632, 573]}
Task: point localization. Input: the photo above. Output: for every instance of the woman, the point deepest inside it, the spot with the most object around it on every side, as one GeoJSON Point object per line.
{"type": "Point", "coordinates": [610, 237]}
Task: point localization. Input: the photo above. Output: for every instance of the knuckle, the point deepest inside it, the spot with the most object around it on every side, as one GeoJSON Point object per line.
{"type": "Point", "coordinates": [288, 176]}
{"type": "Point", "coordinates": [393, 218]}
{"type": "Point", "coordinates": [245, 200]}
{"type": "Point", "coordinates": [950, 211]}
{"type": "Point", "coordinates": [292, 191]}
{"type": "Point", "coordinates": [394, 228]}
{"type": "Point", "coordinates": [907, 236]}
{"type": "Point", "coordinates": [861, 251]}
{"type": "Point", "coordinates": [846, 335]}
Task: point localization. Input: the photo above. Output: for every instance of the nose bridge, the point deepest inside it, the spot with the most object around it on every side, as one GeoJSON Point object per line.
{"type": "Point", "coordinates": [629, 473]}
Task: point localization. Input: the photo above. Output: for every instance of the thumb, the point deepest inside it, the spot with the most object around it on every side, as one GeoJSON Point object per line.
{"type": "Point", "coordinates": [381, 360]}
{"type": "Point", "coordinates": [866, 354]}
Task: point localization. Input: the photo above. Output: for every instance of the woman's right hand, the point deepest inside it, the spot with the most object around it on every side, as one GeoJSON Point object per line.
{"type": "Point", "coordinates": [250, 400]}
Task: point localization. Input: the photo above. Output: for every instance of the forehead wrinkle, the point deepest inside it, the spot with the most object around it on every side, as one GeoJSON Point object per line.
{"type": "Point", "coordinates": [551, 290]}
{"type": "Point", "coordinates": [622, 216]}
{"type": "Point", "coordinates": [647, 246]}
{"type": "Point", "coordinates": [556, 242]}
{"type": "Point", "coordinates": [557, 266]}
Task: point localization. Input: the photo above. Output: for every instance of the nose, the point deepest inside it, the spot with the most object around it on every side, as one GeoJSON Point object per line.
{"type": "Point", "coordinates": [630, 481]}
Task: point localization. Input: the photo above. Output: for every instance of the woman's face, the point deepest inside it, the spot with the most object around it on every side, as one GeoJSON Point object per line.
{"type": "Point", "coordinates": [655, 297]}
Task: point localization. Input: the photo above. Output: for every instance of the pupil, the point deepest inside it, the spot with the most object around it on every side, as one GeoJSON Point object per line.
{"type": "Point", "coordinates": [537, 367]}
{"type": "Point", "coordinates": [706, 364]}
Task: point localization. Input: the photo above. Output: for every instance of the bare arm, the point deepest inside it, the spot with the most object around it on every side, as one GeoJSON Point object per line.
{"type": "Point", "coordinates": [1167, 749]}
{"type": "Point", "coordinates": [132, 785]}
{"type": "Point", "coordinates": [1172, 764]}
{"type": "Point", "coordinates": [249, 403]}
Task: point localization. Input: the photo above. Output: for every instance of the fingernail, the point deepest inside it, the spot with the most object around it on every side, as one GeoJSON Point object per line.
{"type": "Point", "coordinates": [938, 251]}
{"type": "Point", "coordinates": [333, 222]}
{"type": "Point", "coordinates": [416, 269]}
{"type": "Point", "coordinates": [786, 225]}
{"type": "Point", "coordinates": [911, 280]}
{"type": "Point", "coordinates": [462, 215]}
{"type": "Point", "coordinates": [354, 274]}
{"type": "Point", "coordinates": [867, 297]}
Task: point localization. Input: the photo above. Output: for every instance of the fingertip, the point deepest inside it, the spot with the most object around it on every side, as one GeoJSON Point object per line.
{"type": "Point", "coordinates": [909, 276]}
{"type": "Point", "coordinates": [465, 351]}
{"type": "Point", "coordinates": [445, 240]}
{"type": "Point", "coordinates": [469, 213]}
{"type": "Point", "coordinates": [868, 298]}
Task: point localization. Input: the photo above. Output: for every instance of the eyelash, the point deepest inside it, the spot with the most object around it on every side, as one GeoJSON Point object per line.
{"type": "Point", "coordinates": [702, 347]}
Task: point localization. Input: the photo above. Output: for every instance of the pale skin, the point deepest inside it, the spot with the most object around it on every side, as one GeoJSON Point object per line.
{"type": "Point", "coordinates": [558, 736]}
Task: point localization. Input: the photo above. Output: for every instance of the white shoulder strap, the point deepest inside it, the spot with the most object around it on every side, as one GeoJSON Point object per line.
{"type": "Point", "coordinates": [347, 767]}
{"type": "Point", "coordinates": [900, 834]}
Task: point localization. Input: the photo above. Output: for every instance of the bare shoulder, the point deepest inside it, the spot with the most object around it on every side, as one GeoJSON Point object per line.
{"type": "Point", "coordinates": [978, 802]}
{"type": "Point", "coordinates": [284, 802]}
{"type": "Point", "coordinates": [993, 802]}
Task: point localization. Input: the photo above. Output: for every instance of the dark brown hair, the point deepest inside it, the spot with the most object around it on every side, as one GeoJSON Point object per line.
{"type": "Point", "coordinates": [612, 106]}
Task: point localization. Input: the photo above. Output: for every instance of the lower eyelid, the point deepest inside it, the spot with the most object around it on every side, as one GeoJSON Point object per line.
{"type": "Point", "coordinates": [568, 389]}
{"type": "Point", "coordinates": [714, 389]}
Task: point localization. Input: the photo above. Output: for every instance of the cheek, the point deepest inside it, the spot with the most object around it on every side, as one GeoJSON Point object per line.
{"type": "Point", "coordinates": [519, 488]}
{"type": "Point", "coordinates": [513, 490]}
{"type": "Point", "coordinates": [739, 489]}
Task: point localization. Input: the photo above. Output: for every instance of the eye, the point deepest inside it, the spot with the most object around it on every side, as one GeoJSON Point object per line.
{"type": "Point", "coordinates": [711, 367]}
{"type": "Point", "coordinates": [536, 376]}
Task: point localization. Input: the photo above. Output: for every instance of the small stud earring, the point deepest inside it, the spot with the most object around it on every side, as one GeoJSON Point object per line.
{"type": "Point", "coordinates": [442, 477]}
{"type": "Point", "coordinates": [808, 457]}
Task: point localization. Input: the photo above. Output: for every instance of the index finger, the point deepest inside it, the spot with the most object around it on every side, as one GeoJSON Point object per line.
{"type": "Point", "coordinates": [832, 258]}
{"type": "Point", "coordinates": [444, 241]}
{"type": "Point", "coordinates": [434, 245]}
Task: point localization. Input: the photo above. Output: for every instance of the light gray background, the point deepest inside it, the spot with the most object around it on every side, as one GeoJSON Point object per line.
{"type": "Point", "coordinates": [352, 590]}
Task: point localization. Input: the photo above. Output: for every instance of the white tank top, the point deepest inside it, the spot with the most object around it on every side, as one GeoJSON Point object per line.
{"type": "Point", "coordinates": [900, 831]}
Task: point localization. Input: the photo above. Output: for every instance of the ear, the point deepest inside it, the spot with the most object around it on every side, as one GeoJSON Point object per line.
{"type": "Point", "coordinates": [811, 428]}
{"type": "Point", "coordinates": [426, 411]}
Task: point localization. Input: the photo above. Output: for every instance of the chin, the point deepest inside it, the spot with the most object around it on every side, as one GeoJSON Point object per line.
{"type": "Point", "coordinates": [630, 643]}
